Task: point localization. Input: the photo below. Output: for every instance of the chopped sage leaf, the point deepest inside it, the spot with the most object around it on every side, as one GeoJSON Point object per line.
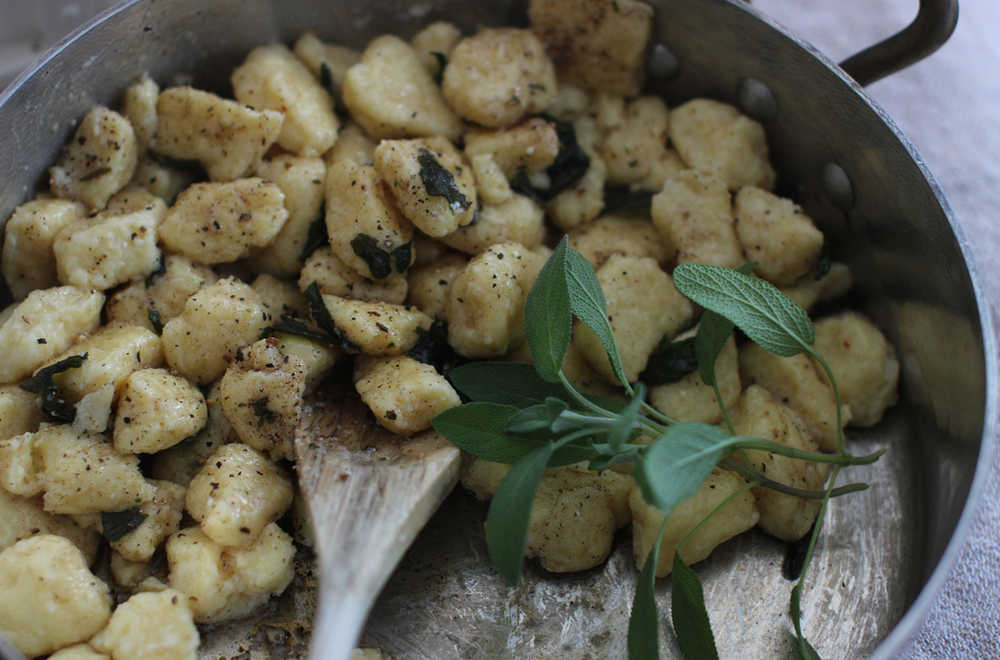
{"type": "Point", "coordinates": [293, 326]}
{"type": "Point", "coordinates": [93, 174]}
{"type": "Point", "coordinates": [537, 86]}
{"type": "Point", "coordinates": [440, 182]}
{"type": "Point", "coordinates": [264, 414]}
{"type": "Point", "coordinates": [53, 403]}
{"type": "Point", "coordinates": [432, 347]}
{"type": "Point", "coordinates": [321, 315]}
{"type": "Point", "coordinates": [571, 163]}
{"type": "Point", "coordinates": [671, 361]}
{"type": "Point", "coordinates": [378, 260]}
{"type": "Point", "coordinates": [116, 524]}
{"type": "Point", "coordinates": [402, 256]}
{"type": "Point", "coordinates": [316, 238]}
{"type": "Point", "coordinates": [154, 319]}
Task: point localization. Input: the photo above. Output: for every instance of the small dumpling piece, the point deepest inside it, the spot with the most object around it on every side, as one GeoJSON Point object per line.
{"type": "Point", "coordinates": [328, 62]}
{"type": "Point", "coordinates": [598, 45]}
{"type": "Point", "coordinates": [24, 517]}
{"type": "Point", "coordinates": [159, 177]}
{"type": "Point", "coordinates": [377, 328]}
{"type": "Point", "coordinates": [574, 518]}
{"type": "Point", "coordinates": [81, 651]}
{"type": "Point", "coordinates": [486, 302]}
{"type": "Point", "coordinates": [583, 201]}
{"type": "Point", "coordinates": [272, 77]}
{"type": "Point", "coordinates": [491, 183]}
{"type": "Point", "coordinates": [800, 383]}
{"type": "Point", "coordinates": [44, 325]}
{"type": "Point", "coordinates": [352, 144]}
{"type": "Point", "coordinates": [113, 352]}
{"type": "Point", "coordinates": [434, 43]}
{"type": "Point", "coordinates": [236, 494]}
{"type": "Point", "coordinates": [261, 395]}
{"type": "Point", "coordinates": [139, 106]}
{"type": "Point", "coordinates": [334, 277]}
{"type": "Point", "coordinates": [165, 292]}
{"type": "Point", "coordinates": [19, 411]}
{"type": "Point", "coordinates": [220, 222]}
{"type": "Point", "coordinates": [691, 400]}
{"type": "Point", "coordinates": [615, 234]}
{"type": "Point", "coordinates": [48, 597]}
{"type": "Point", "coordinates": [28, 262]}
{"type": "Point", "coordinates": [302, 180]}
{"type": "Point", "coordinates": [528, 147]}
{"type": "Point", "coordinates": [643, 307]}
{"type": "Point", "coordinates": [162, 513]}
{"type": "Point", "coordinates": [215, 323]}
{"type": "Point", "coordinates": [694, 213]}
{"type": "Point", "coordinates": [366, 229]}
{"type": "Point", "coordinates": [402, 393]}
{"type": "Point", "coordinates": [786, 516]}
{"type": "Point", "coordinates": [317, 357]}
{"type": "Point", "coordinates": [518, 220]}
{"type": "Point", "coordinates": [157, 410]}
{"type": "Point", "coordinates": [863, 362]}
{"type": "Point", "coordinates": [812, 289]}
{"type": "Point", "coordinates": [391, 94]}
{"type": "Point", "coordinates": [715, 138]}
{"type": "Point", "coordinates": [98, 161]}
{"type": "Point", "coordinates": [777, 235]}
{"type": "Point", "coordinates": [223, 583]}
{"type": "Point", "coordinates": [631, 150]}
{"type": "Point", "coordinates": [739, 515]}
{"type": "Point", "coordinates": [431, 181]}
{"type": "Point", "coordinates": [499, 76]}
{"type": "Point", "coordinates": [151, 625]}
{"type": "Point", "coordinates": [115, 246]}
{"type": "Point", "coordinates": [279, 297]}
{"type": "Point", "coordinates": [227, 137]}
{"type": "Point", "coordinates": [429, 285]}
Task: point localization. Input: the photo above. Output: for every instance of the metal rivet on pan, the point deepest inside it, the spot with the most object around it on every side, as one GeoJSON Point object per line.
{"type": "Point", "coordinates": [662, 62]}
{"type": "Point", "coordinates": [838, 186]}
{"type": "Point", "coordinates": [757, 99]}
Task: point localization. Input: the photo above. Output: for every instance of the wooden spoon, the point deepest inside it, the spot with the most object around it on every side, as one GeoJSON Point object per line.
{"type": "Point", "coordinates": [369, 493]}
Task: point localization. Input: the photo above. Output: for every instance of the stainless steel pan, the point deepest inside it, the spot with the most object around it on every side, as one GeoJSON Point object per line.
{"type": "Point", "coordinates": [886, 552]}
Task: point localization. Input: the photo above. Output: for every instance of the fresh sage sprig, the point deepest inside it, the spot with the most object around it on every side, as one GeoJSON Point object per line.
{"type": "Point", "coordinates": [533, 418]}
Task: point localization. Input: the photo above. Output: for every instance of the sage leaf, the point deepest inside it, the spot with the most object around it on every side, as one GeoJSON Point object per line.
{"type": "Point", "coordinates": [688, 613]}
{"type": "Point", "coordinates": [805, 649]}
{"type": "Point", "coordinates": [713, 333]}
{"type": "Point", "coordinates": [442, 62]}
{"type": "Point", "coordinates": [767, 316]}
{"type": "Point", "coordinates": [440, 182]}
{"type": "Point", "coordinates": [510, 511]}
{"type": "Point", "coordinates": [116, 524]}
{"type": "Point", "coordinates": [478, 428]}
{"type": "Point", "coordinates": [538, 417]}
{"type": "Point", "coordinates": [51, 399]}
{"type": "Point", "coordinates": [586, 300]}
{"type": "Point", "coordinates": [571, 162]}
{"type": "Point", "coordinates": [548, 320]}
{"type": "Point", "coordinates": [264, 414]}
{"type": "Point", "coordinates": [432, 347]}
{"type": "Point", "coordinates": [644, 622]}
{"type": "Point", "coordinates": [155, 320]}
{"type": "Point", "coordinates": [379, 261]}
{"type": "Point", "coordinates": [315, 239]}
{"type": "Point", "coordinates": [670, 362]}
{"type": "Point", "coordinates": [326, 78]}
{"type": "Point", "coordinates": [402, 256]}
{"type": "Point", "coordinates": [293, 326]}
{"type": "Point", "coordinates": [511, 383]}
{"type": "Point", "coordinates": [676, 464]}
{"type": "Point", "coordinates": [627, 420]}
{"type": "Point", "coordinates": [321, 315]}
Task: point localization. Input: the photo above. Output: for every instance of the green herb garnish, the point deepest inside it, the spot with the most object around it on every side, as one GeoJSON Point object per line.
{"type": "Point", "coordinates": [326, 78]}
{"type": "Point", "coordinates": [533, 418]}
{"type": "Point", "coordinates": [154, 320]}
{"type": "Point", "coordinates": [321, 316]}
{"type": "Point", "coordinates": [52, 401]}
{"type": "Point", "coordinates": [402, 256]}
{"type": "Point", "coordinates": [379, 261]}
{"type": "Point", "coordinates": [432, 347]}
{"type": "Point", "coordinates": [442, 61]}
{"type": "Point", "coordinates": [670, 362]}
{"type": "Point", "coordinates": [264, 414]}
{"type": "Point", "coordinates": [440, 182]}
{"type": "Point", "coordinates": [315, 239]}
{"type": "Point", "coordinates": [116, 524]}
{"type": "Point", "coordinates": [570, 165]}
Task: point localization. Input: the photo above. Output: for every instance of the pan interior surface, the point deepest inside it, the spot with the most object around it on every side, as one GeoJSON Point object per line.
{"type": "Point", "coordinates": [836, 155]}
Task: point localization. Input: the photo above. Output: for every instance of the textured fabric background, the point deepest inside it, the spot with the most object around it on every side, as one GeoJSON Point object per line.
{"type": "Point", "coordinates": [949, 107]}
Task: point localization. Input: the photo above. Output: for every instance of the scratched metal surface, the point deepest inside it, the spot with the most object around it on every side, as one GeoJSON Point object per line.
{"type": "Point", "coordinates": [881, 547]}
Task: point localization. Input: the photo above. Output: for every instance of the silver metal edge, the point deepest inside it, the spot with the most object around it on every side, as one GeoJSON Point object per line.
{"type": "Point", "coordinates": [909, 625]}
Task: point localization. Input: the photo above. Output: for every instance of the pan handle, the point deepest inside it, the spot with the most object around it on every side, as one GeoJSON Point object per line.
{"type": "Point", "coordinates": [933, 25]}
